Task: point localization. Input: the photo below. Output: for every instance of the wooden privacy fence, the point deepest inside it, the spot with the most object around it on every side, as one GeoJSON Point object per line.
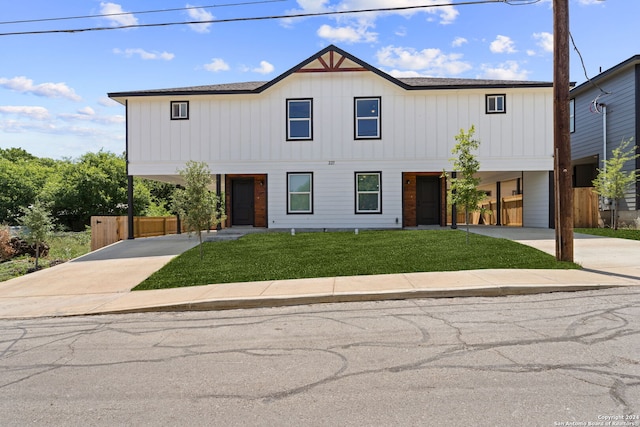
{"type": "Point", "coordinates": [510, 211]}
{"type": "Point", "coordinates": [585, 210]}
{"type": "Point", "coordinates": [106, 230]}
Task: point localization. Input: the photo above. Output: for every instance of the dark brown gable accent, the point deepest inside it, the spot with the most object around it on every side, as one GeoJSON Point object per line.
{"type": "Point", "coordinates": [330, 64]}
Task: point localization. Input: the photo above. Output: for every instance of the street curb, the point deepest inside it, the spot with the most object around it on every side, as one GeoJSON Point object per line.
{"type": "Point", "coordinates": [288, 300]}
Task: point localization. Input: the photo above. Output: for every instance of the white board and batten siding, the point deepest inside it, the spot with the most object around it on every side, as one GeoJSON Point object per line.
{"type": "Point", "coordinates": [416, 125]}
{"type": "Point", "coordinates": [246, 134]}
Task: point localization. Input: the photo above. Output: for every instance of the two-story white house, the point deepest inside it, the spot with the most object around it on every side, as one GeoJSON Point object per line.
{"type": "Point", "coordinates": [337, 143]}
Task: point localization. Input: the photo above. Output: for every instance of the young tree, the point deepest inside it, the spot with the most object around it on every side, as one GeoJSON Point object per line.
{"type": "Point", "coordinates": [199, 208]}
{"type": "Point", "coordinates": [463, 189]}
{"type": "Point", "coordinates": [613, 181]}
{"type": "Point", "coordinates": [39, 224]}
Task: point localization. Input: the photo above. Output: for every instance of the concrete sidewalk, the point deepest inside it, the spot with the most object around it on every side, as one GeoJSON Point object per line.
{"type": "Point", "coordinates": [100, 282]}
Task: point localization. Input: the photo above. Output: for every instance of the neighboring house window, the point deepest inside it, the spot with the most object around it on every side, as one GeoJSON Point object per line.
{"type": "Point", "coordinates": [368, 192]}
{"type": "Point", "coordinates": [572, 115]}
{"type": "Point", "coordinates": [179, 110]}
{"type": "Point", "coordinates": [367, 118]}
{"type": "Point", "coordinates": [300, 192]}
{"type": "Point", "coordinates": [496, 104]}
{"type": "Point", "coordinates": [299, 119]}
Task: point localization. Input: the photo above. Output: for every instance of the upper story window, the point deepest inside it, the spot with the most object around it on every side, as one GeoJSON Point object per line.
{"type": "Point", "coordinates": [368, 192]}
{"type": "Point", "coordinates": [572, 115]}
{"type": "Point", "coordinates": [367, 118]}
{"type": "Point", "coordinates": [299, 119]}
{"type": "Point", "coordinates": [179, 110]}
{"type": "Point", "coordinates": [496, 104]}
{"type": "Point", "coordinates": [300, 192]}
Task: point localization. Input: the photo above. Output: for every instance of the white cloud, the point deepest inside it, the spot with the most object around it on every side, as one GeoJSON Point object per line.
{"type": "Point", "coordinates": [36, 113]}
{"type": "Point", "coordinates": [427, 62]}
{"type": "Point", "coordinates": [216, 64]}
{"type": "Point", "coordinates": [346, 34]}
{"type": "Point", "coordinates": [119, 18]}
{"type": "Point", "coordinates": [359, 23]}
{"type": "Point", "coordinates": [509, 70]}
{"type": "Point", "coordinates": [446, 14]}
{"type": "Point", "coordinates": [143, 54]}
{"type": "Point", "coordinates": [87, 111]}
{"type": "Point", "coordinates": [459, 41]}
{"type": "Point", "coordinates": [199, 15]}
{"type": "Point", "coordinates": [84, 116]}
{"type": "Point", "coordinates": [502, 44]}
{"type": "Point", "coordinates": [589, 2]}
{"type": "Point", "coordinates": [265, 68]}
{"type": "Point", "coordinates": [544, 40]}
{"type": "Point", "coordinates": [48, 90]}
{"type": "Point", "coordinates": [105, 101]}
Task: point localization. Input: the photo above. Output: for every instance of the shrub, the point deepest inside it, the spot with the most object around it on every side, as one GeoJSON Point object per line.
{"type": "Point", "coordinates": [6, 248]}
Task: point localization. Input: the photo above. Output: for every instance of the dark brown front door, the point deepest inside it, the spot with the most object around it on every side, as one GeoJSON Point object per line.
{"type": "Point", "coordinates": [242, 202]}
{"type": "Point", "coordinates": [428, 200]}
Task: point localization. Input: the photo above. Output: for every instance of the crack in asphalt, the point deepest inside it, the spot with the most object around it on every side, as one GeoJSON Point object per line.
{"type": "Point", "coordinates": [449, 329]}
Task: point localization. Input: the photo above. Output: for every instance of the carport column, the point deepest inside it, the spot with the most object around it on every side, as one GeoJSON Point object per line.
{"type": "Point", "coordinates": [130, 234]}
{"type": "Point", "coordinates": [498, 204]}
{"type": "Point", "coordinates": [130, 207]}
{"type": "Point", "coordinates": [454, 208]}
{"type": "Point", "coordinates": [218, 191]}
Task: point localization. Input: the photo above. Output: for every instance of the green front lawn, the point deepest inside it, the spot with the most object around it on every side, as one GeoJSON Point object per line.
{"type": "Point", "coordinates": [609, 232]}
{"type": "Point", "coordinates": [278, 256]}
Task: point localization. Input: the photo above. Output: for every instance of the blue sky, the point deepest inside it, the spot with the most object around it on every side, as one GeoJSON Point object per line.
{"type": "Point", "coordinates": [53, 87]}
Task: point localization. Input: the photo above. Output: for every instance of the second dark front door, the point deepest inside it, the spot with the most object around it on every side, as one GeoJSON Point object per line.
{"type": "Point", "coordinates": [242, 202]}
{"type": "Point", "coordinates": [428, 200]}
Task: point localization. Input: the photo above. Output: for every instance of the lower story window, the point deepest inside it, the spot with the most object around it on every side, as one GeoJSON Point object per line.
{"type": "Point", "coordinates": [368, 192]}
{"type": "Point", "coordinates": [300, 192]}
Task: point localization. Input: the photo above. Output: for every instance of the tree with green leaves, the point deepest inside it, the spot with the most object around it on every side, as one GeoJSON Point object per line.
{"type": "Point", "coordinates": [95, 184]}
{"type": "Point", "coordinates": [463, 189]}
{"type": "Point", "coordinates": [39, 224]}
{"type": "Point", "coordinates": [199, 208]}
{"type": "Point", "coordinates": [613, 180]}
{"type": "Point", "coordinates": [22, 178]}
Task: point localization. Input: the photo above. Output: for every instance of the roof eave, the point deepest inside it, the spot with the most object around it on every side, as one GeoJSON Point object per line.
{"type": "Point", "coordinates": [634, 60]}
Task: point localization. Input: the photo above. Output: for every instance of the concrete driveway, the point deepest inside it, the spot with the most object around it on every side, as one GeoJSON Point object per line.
{"type": "Point", "coordinates": [593, 253]}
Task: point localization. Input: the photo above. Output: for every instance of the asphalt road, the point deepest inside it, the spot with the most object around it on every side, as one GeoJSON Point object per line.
{"type": "Point", "coordinates": [538, 360]}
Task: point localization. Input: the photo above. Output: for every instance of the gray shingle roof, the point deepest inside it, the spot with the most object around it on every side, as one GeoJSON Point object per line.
{"type": "Point", "coordinates": [413, 83]}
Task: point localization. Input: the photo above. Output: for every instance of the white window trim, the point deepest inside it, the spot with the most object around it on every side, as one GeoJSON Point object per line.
{"type": "Point", "coordinates": [183, 110]}
{"type": "Point", "coordinates": [290, 193]}
{"type": "Point", "coordinates": [300, 119]}
{"type": "Point", "coordinates": [495, 97]}
{"type": "Point", "coordinates": [378, 192]}
{"type": "Point", "coordinates": [378, 118]}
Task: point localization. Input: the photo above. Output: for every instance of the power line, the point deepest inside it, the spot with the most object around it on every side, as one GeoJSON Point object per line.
{"type": "Point", "coordinates": [107, 15]}
{"type": "Point", "coordinates": [259, 18]}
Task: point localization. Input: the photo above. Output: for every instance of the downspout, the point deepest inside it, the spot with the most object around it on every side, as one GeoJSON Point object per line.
{"type": "Point", "coordinates": [604, 137]}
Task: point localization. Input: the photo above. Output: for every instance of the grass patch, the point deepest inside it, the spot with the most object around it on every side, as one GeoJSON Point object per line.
{"type": "Point", "coordinates": [63, 246]}
{"type": "Point", "coordinates": [623, 233]}
{"type": "Point", "coordinates": [279, 256]}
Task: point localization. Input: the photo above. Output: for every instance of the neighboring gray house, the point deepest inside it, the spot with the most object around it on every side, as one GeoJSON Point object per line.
{"type": "Point", "coordinates": [604, 111]}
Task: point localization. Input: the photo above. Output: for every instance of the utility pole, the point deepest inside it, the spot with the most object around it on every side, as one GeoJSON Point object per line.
{"type": "Point", "coordinates": [561, 136]}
